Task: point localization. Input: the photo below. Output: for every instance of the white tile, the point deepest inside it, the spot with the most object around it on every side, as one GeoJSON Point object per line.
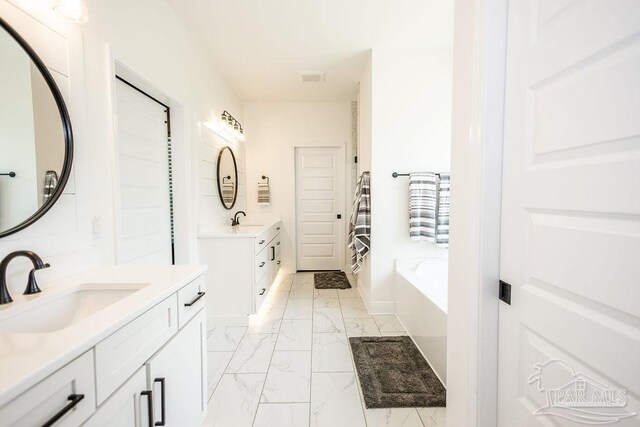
{"type": "Point", "coordinates": [277, 298]}
{"type": "Point", "coordinates": [335, 401]}
{"type": "Point", "coordinates": [282, 415]}
{"type": "Point", "coordinates": [253, 354]}
{"type": "Point", "coordinates": [354, 308]}
{"type": "Point", "coordinates": [301, 291]}
{"type": "Point", "coordinates": [393, 334]}
{"type": "Point", "coordinates": [299, 309]}
{"type": "Point", "coordinates": [327, 320]}
{"type": "Point", "coordinates": [217, 362]}
{"type": "Point", "coordinates": [331, 353]}
{"type": "Point", "coordinates": [266, 322]}
{"type": "Point", "coordinates": [361, 328]}
{"type": "Point", "coordinates": [283, 282]}
{"type": "Point", "coordinates": [388, 323]}
{"type": "Point", "coordinates": [393, 417]}
{"type": "Point", "coordinates": [303, 278]}
{"type": "Point", "coordinates": [294, 335]}
{"type": "Point", "coordinates": [432, 417]}
{"type": "Point", "coordinates": [348, 293]}
{"type": "Point", "coordinates": [326, 293]}
{"type": "Point", "coordinates": [235, 401]}
{"type": "Point", "coordinates": [225, 338]}
{"type": "Point", "coordinates": [289, 377]}
{"type": "Point", "coordinates": [326, 302]}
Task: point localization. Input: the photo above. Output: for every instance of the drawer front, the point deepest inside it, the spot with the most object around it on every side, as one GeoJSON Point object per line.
{"type": "Point", "coordinates": [47, 398]}
{"type": "Point", "coordinates": [260, 293]}
{"type": "Point", "coordinates": [278, 244]}
{"type": "Point", "coordinates": [262, 265]}
{"type": "Point", "coordinates": [261, 241]}
{"type": "Point", "coordinates": [191, 300]}
{"type": "Point", "coordinates": [123, 352]}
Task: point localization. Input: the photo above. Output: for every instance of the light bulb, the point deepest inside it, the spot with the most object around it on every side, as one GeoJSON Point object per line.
{"type": "Point", "coordinates": [73, 10]}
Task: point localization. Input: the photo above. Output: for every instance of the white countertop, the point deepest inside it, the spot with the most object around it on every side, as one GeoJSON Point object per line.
{"type": "Point", "coordinates": [27, 358]}
{"type": "Point", "coordinates": [247, 229]}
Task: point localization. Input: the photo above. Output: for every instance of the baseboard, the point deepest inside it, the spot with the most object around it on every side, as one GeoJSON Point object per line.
{"type": "Point", "coordinates": [213, 321]}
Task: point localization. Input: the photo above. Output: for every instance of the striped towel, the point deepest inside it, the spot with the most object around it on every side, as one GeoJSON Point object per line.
{"type": "Point", "coordinates": [228, 192]}
{"type": "Point", "coordinates": [50, 184]}
{"type": "Point", "coordinates": [360, 223]}
{"type": "Point", "coordinates": [264, 193]}
{"type": "Point", "coordinates": [442, 228]}
{"type": "Point", "coordinates": [423, 206]}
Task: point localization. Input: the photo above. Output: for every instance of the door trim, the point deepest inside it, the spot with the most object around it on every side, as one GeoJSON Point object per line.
{"type": "Point", "coordinates": [479, 58]}
{"type": "Point", "coordinates": [341, 200]}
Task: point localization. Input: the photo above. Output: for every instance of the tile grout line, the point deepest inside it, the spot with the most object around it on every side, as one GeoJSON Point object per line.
{"type": "Point", "coordinates": [227, 365]}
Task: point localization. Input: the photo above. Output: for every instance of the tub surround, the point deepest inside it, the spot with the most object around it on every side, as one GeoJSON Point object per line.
{"type": "Point", "coordinates": [26, 358]}
{"type": "Point", "coordinates": [421, 306]}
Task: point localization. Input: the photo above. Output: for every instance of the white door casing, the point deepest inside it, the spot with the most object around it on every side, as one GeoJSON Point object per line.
{"type": "Point", "coordinates": [319, 200]}
{"type": "Point", "coordinates": [143, 206]}
{"type": "Point", "coordinates": [570, 241]}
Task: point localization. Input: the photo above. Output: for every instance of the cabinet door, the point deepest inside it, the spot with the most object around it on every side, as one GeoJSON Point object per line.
{"type": "Point", "coordinates": [126, 407]}
{"type": "Point", "coordinates": [177, 376]}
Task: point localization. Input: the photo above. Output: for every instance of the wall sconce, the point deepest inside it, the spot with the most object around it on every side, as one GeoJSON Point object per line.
{"type": "Point", "coordinates": [230, 125]}
{"type": "Point", "coordinates": [73, 10]}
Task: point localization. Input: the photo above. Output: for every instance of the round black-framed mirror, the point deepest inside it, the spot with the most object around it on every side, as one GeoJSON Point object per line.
{"type": "Point", "coordinates": [29, 196]}
{"type": "Point", "coordinates": [227, 176]}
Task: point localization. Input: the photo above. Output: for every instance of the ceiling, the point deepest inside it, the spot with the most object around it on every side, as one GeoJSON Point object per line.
{"type": "Point", "coordinates": [262, 45]}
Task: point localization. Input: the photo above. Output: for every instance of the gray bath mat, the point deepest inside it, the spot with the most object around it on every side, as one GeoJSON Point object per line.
{"type": "Point", "coordinates": [393, 373]}
{"type": "Point", "coordinates": [331, 280]}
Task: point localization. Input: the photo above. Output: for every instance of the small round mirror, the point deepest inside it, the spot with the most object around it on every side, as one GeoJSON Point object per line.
{"type": "Point", "coordinates": [227, 177]}
{"type": "Point", "coordinates": [36, 146]}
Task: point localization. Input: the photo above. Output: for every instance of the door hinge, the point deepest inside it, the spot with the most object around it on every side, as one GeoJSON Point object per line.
{"type": "Point", "coordinates": [504, 293]}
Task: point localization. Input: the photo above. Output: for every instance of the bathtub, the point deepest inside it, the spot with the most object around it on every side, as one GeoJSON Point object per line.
{"type": "Point", "coordinates": [421, 306]}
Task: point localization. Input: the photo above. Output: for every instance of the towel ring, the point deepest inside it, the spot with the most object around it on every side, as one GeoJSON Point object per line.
{"type": "Point", "coordinates": [226, 177]}
{"type": "Point", "coordinates": [266, 177]}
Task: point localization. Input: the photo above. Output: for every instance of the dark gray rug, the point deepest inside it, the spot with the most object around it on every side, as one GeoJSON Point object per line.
{"type": "Point", "coordinates": [393, 373]}
{"type": "Point", "coordinates": [331, 280]}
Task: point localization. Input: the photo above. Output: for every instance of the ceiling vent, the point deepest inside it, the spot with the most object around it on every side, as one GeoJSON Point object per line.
{"type": "Point", "coordinates": [313, 77]}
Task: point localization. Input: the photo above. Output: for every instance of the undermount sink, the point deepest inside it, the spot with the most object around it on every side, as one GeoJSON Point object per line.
{"type": "Point", "coordinates": [50, 314]}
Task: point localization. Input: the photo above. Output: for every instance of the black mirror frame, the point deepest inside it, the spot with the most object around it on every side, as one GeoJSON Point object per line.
{"type": "Point", "coordinates": [235, 168]}
{"type": "Point", "coordinates": [66, 130]}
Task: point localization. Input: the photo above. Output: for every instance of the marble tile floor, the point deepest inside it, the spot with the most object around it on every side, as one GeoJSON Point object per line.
{"type": "Point", "coordinates": [293, 367]}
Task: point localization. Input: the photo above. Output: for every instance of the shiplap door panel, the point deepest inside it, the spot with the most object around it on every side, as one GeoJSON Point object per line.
{"type": "Point", "coordinates": [571, 210]}
{"type": "Point", "coordinates": [319, 183]}
{"type": "Point", "coordinates": [144, 223]}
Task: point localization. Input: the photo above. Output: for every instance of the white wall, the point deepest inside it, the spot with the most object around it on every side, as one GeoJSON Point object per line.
{"type": "Point", "coordinates": [405, 127]}
{"type": "Point", "coordinates": [150, 40]}
{"type": "Point", "coordinates": [273, 131]}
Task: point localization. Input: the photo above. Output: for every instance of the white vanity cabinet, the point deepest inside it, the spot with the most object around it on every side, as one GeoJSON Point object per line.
{"type": "Point", "coordinates": [244, 262]}
{"type": "Point", "coordinates": [150, 371]}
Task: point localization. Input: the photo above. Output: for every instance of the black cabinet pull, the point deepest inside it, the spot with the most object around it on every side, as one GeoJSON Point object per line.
{"type": "Point", "coordinates": [278, 262]}
{"type": "Point", "coordinates": [261, 242]}
{"type": "Point", "coordinates": [149, 395]}
{"type": "Point", "coordinates": [263, 291]}
{"type": "Point", "coordinates": [262, 264]}
{"type": "Point", "coordinates": [277, 228]}
{"type": "Point", "coordinates": [162, 401]}
{"type": "Point", "coordinates": [195, 300]}
{"type": "Point", "coordinates": [273, 253]}
{"type": "Point", "coordinates": [278, 243]}
{"type": "Point", "coordinates": [74, 399]}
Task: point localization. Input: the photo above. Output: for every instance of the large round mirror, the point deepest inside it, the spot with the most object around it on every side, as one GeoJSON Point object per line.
{"type": "Point", "coordinates": [36, 146]}
{"type": "Point", "coordinates": [227, 177]}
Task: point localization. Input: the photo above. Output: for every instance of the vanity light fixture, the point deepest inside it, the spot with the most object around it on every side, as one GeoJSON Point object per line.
{"type": "Point", "coordinates": [73, 10]}
{"type": "Point", "coordinates": [231, 126]}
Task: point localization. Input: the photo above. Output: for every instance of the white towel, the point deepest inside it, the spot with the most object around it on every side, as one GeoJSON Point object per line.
{"type": "Point", "coordinates": [360, 223]}
{"type": "Point", "coordinates": [423, 204]}
{"type": "Point", "coordinates": [442, 227]}
{"type": "Point", "coordinates": [264, 193]}
{"type": "Point", "coordinates": [228, 192]}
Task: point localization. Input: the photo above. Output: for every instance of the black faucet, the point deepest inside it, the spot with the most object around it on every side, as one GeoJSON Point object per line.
{"type": "Point", "coordinates": [235, 220]}
{"type": "Point", "coordinates": [32, 285]}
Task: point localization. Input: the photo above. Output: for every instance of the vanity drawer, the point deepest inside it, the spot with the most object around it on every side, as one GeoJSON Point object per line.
{"type": "Point", "coordinates": [50, 396]}
{"type": "Point", "coordinates": [123, 352]}
{"type": "Point", "coordinates": [191, 300]}
{"type": "Point", "coordinates": [278, 244]}
{"type": "Point", "coordinates": [260, 292]}
{"type": "Point", "coordinates": [261, 241]}
{"type": "Point", "coordinates": [262, 265]}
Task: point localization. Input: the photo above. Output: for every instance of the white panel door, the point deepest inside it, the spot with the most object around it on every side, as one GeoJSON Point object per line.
{"type": "Point", "coordinates": [319, 201]}
{"type": "Point", "coordinates": [143, 214]}
{"type": "Point", "coordinates": [569, 343]}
